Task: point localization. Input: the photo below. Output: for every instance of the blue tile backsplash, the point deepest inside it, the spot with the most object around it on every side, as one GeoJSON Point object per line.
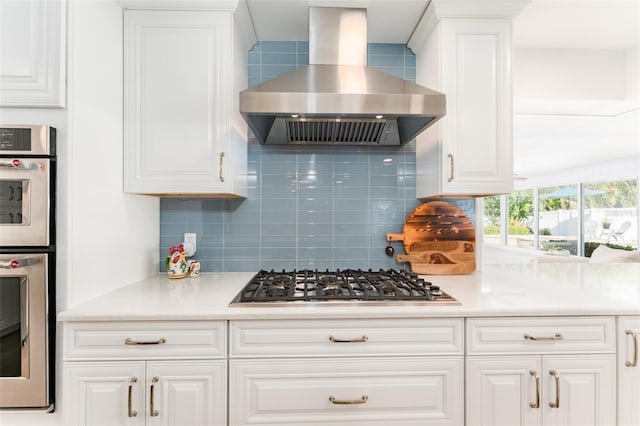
{"type": "Point", "coordinates": [308, 206]}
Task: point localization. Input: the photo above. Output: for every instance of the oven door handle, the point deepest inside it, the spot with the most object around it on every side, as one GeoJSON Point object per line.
{"type": "Point", "coordinates": [20, 262]}
{"type": "Point", "coordinates": [19, 164]}
{"type": "Point", "coordinates": [24, 313]}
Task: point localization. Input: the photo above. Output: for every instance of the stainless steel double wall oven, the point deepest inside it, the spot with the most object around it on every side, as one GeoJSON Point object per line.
{"type": "Point", "coordinates": [27, 265]}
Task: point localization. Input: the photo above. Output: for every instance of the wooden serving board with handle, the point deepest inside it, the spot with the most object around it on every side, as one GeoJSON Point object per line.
{"type": "Point", "coordinates": [438, 238]}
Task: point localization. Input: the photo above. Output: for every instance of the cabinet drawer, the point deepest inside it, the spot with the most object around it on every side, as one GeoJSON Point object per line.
{"type": "Point", "coordinates": [144, 340]}
{"type": "Point", "coordinates": [357, 391]}
{"type": "Point", "coordinates": [391, 337]}
{"type": "Point", "coordinates": [540, 335]}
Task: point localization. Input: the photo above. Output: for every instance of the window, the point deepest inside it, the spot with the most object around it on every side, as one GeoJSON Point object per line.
{"type": "Point", "coordinates": [558, 218]}
{"type": "Point", "coordinates": [574, 218]}
{"type": "Point", "coordinates": [492, 222]}
{"type": "Point", "coordinates": [610, 214]}
{"type": "Point", "coordinates": [520, 223]}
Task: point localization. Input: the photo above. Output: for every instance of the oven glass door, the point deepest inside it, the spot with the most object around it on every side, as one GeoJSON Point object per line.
{"type": "Point", "coordinates": [23, 325]}
{"type": "Point", "coordinates": [24, 205]}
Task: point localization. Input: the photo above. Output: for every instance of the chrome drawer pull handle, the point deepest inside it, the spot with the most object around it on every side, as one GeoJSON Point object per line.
{"type": "Point", "coordinates": [130, 411]}
{"type": "Point", "coordinates": [557, 336]}
{"type": "Point", "coordinates": [152, 411]}
{"type": "Point", "coordinates": [634, 336]}
{"type": "Point", "coordinates": [537, 403]}
{"type": "Point", "coordinates": [556, 403]}
{"type": "Point", "coordinates": [221, 176]}
{"type": "Point", "coordinates": [451, 170]}
{"type": "Point", "coordinates": [358, 340]}
{"type": "Point", "coordinates": [362, 400]}
{"type": "Point", "coordinates": [130, 341]}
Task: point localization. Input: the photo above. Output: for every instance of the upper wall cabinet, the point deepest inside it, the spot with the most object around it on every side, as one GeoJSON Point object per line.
{"type": "Point", "coordinates": [183, 133]}
{"type": "Point", "coordinates": [469, 152]}
{"type": "Point", "coordinates": [32, 53]}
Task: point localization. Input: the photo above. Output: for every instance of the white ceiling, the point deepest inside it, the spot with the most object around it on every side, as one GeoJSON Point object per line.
{"type": "Point", "coordinates": [541, 143]}
{"type": "Point", "coordinates": [595, 24]}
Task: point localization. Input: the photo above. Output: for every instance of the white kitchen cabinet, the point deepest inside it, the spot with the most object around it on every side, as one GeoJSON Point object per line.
{"type": "Point", "coordinates": [354, 391]}
{"type": "Point", "coordinates": [109, 394]}
{"type": "Point", "coordinates": [145, 373]}
{"type": "Point", "coordinates": [183, 133]}
{"type": "Point", "coordinates": [357, 372]}
{"type": "Point", "coordinates": [469, 151]}
{"type": "Point", "coordinates": [628, 371]}
{"type": "Point", "coordinates": [560, 371]}
{"type": "Point", "coordinates": [151, 393]}
{"type": "Point", "coordinates": [32, 53]}
{"type": "Point", "coordinates": [520, 390]}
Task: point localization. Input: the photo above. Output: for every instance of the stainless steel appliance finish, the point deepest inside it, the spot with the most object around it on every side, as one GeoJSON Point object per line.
{"type": "Point", "coordinates": [27, 266]}
{"type": "Point", "coordinates": [337, 99]}
{"type": "Point", "coordinates": [25, 184]}
{"type": "Point", "coordinates": [272, 288]}
{"type": "Point", "coordinates": [24, 366]}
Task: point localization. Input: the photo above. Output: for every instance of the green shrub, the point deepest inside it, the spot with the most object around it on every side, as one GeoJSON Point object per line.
{"type": "Point", "coordinates": [491, 230]}
{"type": "Point", "coordinates": [590, 246]}
{"type": "Point", "coordinates": [545, 231]}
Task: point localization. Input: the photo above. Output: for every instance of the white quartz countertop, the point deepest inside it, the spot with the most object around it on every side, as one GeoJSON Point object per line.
{"type": "Point", "coordinates": [499, 290]}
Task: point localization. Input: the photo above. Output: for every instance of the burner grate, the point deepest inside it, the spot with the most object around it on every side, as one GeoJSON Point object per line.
{"type": "Point", "coordinates": [340, 286]}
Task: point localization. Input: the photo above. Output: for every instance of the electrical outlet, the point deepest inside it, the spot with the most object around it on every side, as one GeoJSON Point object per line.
{"type": "Point", "coordinates": [189, 243]}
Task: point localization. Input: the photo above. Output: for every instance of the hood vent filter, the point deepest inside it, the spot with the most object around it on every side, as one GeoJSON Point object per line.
{"type": "Point", "coordinates": [330, 131]}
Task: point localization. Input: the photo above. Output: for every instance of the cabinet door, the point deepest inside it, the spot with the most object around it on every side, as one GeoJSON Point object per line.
{"type": "Point", "coordinates": [187, 393]}
{"type": "Point", "coordinates": [469, 151]}
{"type": "Point", "coordinates": [341, 391]}
{"type": "Point", "coordinates": [628, 371]}
{"type": "Point", "coordinates": [108, 394]}
{"type": "Point", "coordinates": [504, 391]}
{"type": "Point", "coordinates": [579, 390]}
{"type": "Point", "coordinates": [32, 53]}
{"type": "Point", "coordinates": [177, 102]}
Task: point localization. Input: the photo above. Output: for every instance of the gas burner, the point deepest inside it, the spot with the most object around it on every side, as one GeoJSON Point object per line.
{"type": "Point", "coordinates": [349, 285]}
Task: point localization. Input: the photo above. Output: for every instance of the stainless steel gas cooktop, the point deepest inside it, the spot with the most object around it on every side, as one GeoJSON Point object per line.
{"type": "Point", "coordinates": [271, 288]}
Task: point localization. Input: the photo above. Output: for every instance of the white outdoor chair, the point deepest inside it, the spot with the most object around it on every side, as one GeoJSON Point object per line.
{"type": "Point", "coordinates": [621, 230]}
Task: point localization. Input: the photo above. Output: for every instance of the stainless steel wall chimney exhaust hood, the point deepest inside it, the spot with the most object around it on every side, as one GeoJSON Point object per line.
{"type": "Point", "coordinates": [337, 99]}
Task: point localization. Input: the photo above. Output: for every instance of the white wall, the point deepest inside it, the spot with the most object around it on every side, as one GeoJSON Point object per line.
{"type": "Point", "coordinates": [106, 238]}
{"type": "Point", "coordinates": [113, 236]}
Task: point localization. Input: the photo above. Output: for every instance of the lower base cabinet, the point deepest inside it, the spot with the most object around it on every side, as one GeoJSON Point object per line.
{"type": "Point", "coordinates": [629, 371]}
{"type": "Point", "coordinates": [353, 391]}
{"type": "Point", "coordinates": [541, 390]}
{"type": "Point", "coordinates": [175, 393]}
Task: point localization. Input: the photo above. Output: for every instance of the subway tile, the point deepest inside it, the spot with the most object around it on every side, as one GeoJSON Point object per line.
{"type": "Point", "coordinates": [356, 205]}
{"type": "Point", "coordinates": [386, 49]}
{"type": "Point", "coordinates": [386, 61]}
{"type": "Point", "coordinates": [315, 253]}
{"type": "Point", "coordinates": [410, 74]}
{"type": "Point", "coordinates": [278, 241]}
{"type": "Point", "coordinates": [321, 264]}
{"type": "Point", "coordinates": [351, 216]}
{"type": "Point", "coordinates": [278, 217]}
{"type": "Point", "coordinates": [348, 168]}
{"type": "Point", "coordinates": [241, 253]}
{"type": "Point", "coordinates": [279, 264]}
{"type": "Point", "coordinates": [409, 61]}
{"type": "Point", "coordinates": [268, 254]}
{"type": "Point", "coordinates": [216, 265]}
{"type": "Point", "coordinates": [313, 229]}
{"type": "Point", "coordinates": [351, 229]}
{"type": "Point", "coordinates": [277, 230]}
{"type": "Point", "coordinates": [354, 263]}
{"type": "Point", "coordinates": [302, 46]}
{"type": "Point", "coordinates": [315, 204]}
{"type": "Point", "coordinates": [233, 265]}
{"type": "Point", "coordinates": [273, 71]}
{"type": "Point", "coordinates": [315, 241]}
{"type": "Point", "coordinates": [352, 193]}
{"type": "Point", "coordinates": [253, 58]}
{"type": "Point", "coordinates": [315, 216]}
{"type": "Point", "coordinates": [278, 46]}
{"type": "Point", "coordinates": [350, 241]}
{"type": "Point", "coordinates": [281, 59]}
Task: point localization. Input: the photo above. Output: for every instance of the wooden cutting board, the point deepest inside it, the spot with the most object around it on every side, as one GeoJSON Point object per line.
{"type": "Point", "coordinates": [438, 238]}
